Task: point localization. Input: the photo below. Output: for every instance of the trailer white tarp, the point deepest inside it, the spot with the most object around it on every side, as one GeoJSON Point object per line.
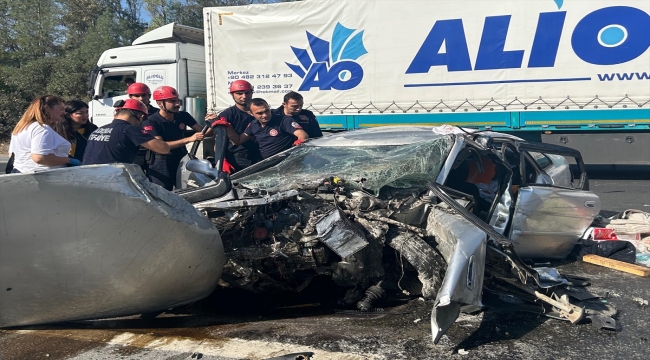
{"type": "Point", "coordinates": [369, 54]}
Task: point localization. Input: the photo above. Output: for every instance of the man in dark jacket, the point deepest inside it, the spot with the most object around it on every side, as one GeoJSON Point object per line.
{"type": "Point", "coordinates": [292, 106]}
{"type": "Point", "coordinates": [168, 125]}
{"type": "Point", "coordinates": [118, 142]}
{"type": "Point", "coordinates": [243, 155]}
{"type": "Point", "coordinates": [273, 132]}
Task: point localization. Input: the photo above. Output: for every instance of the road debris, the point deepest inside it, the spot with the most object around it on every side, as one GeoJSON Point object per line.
{"type": "Point", "coordinates": [294, 356]}
{"type": "Point", "coordinates": [639, 270]}
{"type": "Point", "coordinates": [617, 250]}
{"type": "Point", "coordinates": [633, 226]}
{"type": "Point", "coordinates": [641, 301]}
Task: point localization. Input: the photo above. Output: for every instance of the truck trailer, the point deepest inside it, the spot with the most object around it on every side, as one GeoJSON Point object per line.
{"type": "Point", "coordinates": [573, 73]}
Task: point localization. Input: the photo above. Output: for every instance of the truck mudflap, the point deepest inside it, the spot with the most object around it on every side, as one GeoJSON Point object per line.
{"type": "Point", "coordinates": [99, 241]}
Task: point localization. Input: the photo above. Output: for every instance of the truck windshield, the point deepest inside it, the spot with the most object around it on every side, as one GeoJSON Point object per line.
{"type": "Point", "coordinates": [116, 85]}
{"type": "Point", "coordinates": [367, 167]}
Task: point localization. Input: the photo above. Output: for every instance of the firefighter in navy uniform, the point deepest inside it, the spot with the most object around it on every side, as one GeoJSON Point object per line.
{"type": "Point", "coordinates": [292, 106]}
{"type": "Point", "coordinates": [274, 133]}
{"type": "Point", "coordinates": [246, 154]}
{"type": "Point", "coordinates": [168, 125]}
{"type": "Point", "coordinates": [118, 142]}
{"type": "Point", "coordinates": [141, 91]}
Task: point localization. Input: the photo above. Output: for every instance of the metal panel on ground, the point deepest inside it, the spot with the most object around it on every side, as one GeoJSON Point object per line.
{"type": "Point", "coordinates": [99, 241]}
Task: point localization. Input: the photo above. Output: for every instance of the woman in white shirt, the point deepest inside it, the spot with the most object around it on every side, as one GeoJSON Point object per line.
{"type": "Point", "coordinates": [35, 145]}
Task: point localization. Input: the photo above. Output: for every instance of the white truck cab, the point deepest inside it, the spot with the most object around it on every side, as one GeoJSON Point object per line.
{"type": "Point", "coordinates": [171, 55]}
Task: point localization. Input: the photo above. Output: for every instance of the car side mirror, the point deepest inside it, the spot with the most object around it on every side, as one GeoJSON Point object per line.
{"type": "Point", "coordinates": [202, 167]}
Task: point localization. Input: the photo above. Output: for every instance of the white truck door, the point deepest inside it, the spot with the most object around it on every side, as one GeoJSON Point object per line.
{"type": "Point", "coordinates": [158, 75]}
{"type": "Point", "coordinates": [110, 86]}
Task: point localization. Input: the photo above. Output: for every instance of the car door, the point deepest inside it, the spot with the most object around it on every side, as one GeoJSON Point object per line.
{"type": "Point", "coordinates": [551, 212]}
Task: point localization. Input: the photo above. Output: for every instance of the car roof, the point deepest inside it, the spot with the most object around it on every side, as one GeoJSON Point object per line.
{"type": "Point", "coordinates": [394, 135]}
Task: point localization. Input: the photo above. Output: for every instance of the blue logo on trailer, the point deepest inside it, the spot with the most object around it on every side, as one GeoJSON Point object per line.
{"type": "Point", "coordinates": [607, 36]}
{"type": "Point", "coordinates": [334, 63]}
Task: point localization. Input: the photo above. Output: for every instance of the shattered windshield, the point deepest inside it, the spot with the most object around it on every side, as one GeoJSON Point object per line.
{"type": "Point", "coordinates": [368, 167]}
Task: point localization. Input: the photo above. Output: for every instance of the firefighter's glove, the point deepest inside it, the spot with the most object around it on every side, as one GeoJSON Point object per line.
{"type": "Point", "coordinates": [221, 122]}
{"type": "Point", "coordinates": [74, 162]}
{"type": "Point", "coordinates": [227, 167]}
{"type": "Point", "coordinates": [298, 142]}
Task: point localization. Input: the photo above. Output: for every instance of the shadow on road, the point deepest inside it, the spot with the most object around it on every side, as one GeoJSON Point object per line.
{"type": "Point", "coordinates": [500, 326]}
{"type": "Point", "coordinates": [230, 306]}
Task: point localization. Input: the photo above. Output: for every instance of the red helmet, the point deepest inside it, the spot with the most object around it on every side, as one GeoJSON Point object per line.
{"type": "Point", "coordinates": [138, 89]}
{"type": "Point", "coordinates": [240, 85]}
{"type": "Point", "coordinates": [133, 104]}
{"type": "Point", "coordinates": [165, 93]}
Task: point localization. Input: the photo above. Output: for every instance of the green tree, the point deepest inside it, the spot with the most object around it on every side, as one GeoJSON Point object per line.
{"type": "Point", "coordinates": [50, 46]}
{"type": "Point", "coordinates": [34, 30]}
{"type": "Point", "coordinates": [12, 105]}
{"type": "Point", "coordinates": [89, 28]}
{"type": "Point", "coordinates": [78, 17]}
{"type": "Point", "coordinates": [160, 12]}
{"type": "Point", "coordinates": [131, 24]}
{"type": "Point", "coordinates": [188, 12]}
{"type": "Point", "coordinates": [69, 77]}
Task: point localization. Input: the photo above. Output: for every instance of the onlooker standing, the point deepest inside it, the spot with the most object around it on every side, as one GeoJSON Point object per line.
{"type": "Point", "coordinates": [292, 106]}
{"type": "Point", "coordinates": [75, 127]}
{"type": "Point", "coordinates": [35, 145]}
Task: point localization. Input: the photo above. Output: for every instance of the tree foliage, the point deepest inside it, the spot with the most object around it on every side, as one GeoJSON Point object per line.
{"type": "Point", "coordinates": [50, 46]}
{"type": "Point", "coordinates": [189, 12]}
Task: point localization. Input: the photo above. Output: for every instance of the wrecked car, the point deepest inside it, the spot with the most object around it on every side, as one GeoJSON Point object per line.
{"type": "Point", "coordinates": [99, 241]}
{"type": "Point", "coordinates": [443, 212]}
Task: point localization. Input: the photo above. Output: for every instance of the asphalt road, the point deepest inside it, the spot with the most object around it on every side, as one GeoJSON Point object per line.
{"type": "Point", "coordinates": [229, 327]}
{"type": "Point", "coordinates": [3, 162]}
{"type": "Point", "coordinates": [619, 195]}
{"type": "Point", "coordinates": [232, 325]}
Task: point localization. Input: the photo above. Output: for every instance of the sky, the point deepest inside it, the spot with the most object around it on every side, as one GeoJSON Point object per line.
{"type": "Point", "coordinates": [143, 14]}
